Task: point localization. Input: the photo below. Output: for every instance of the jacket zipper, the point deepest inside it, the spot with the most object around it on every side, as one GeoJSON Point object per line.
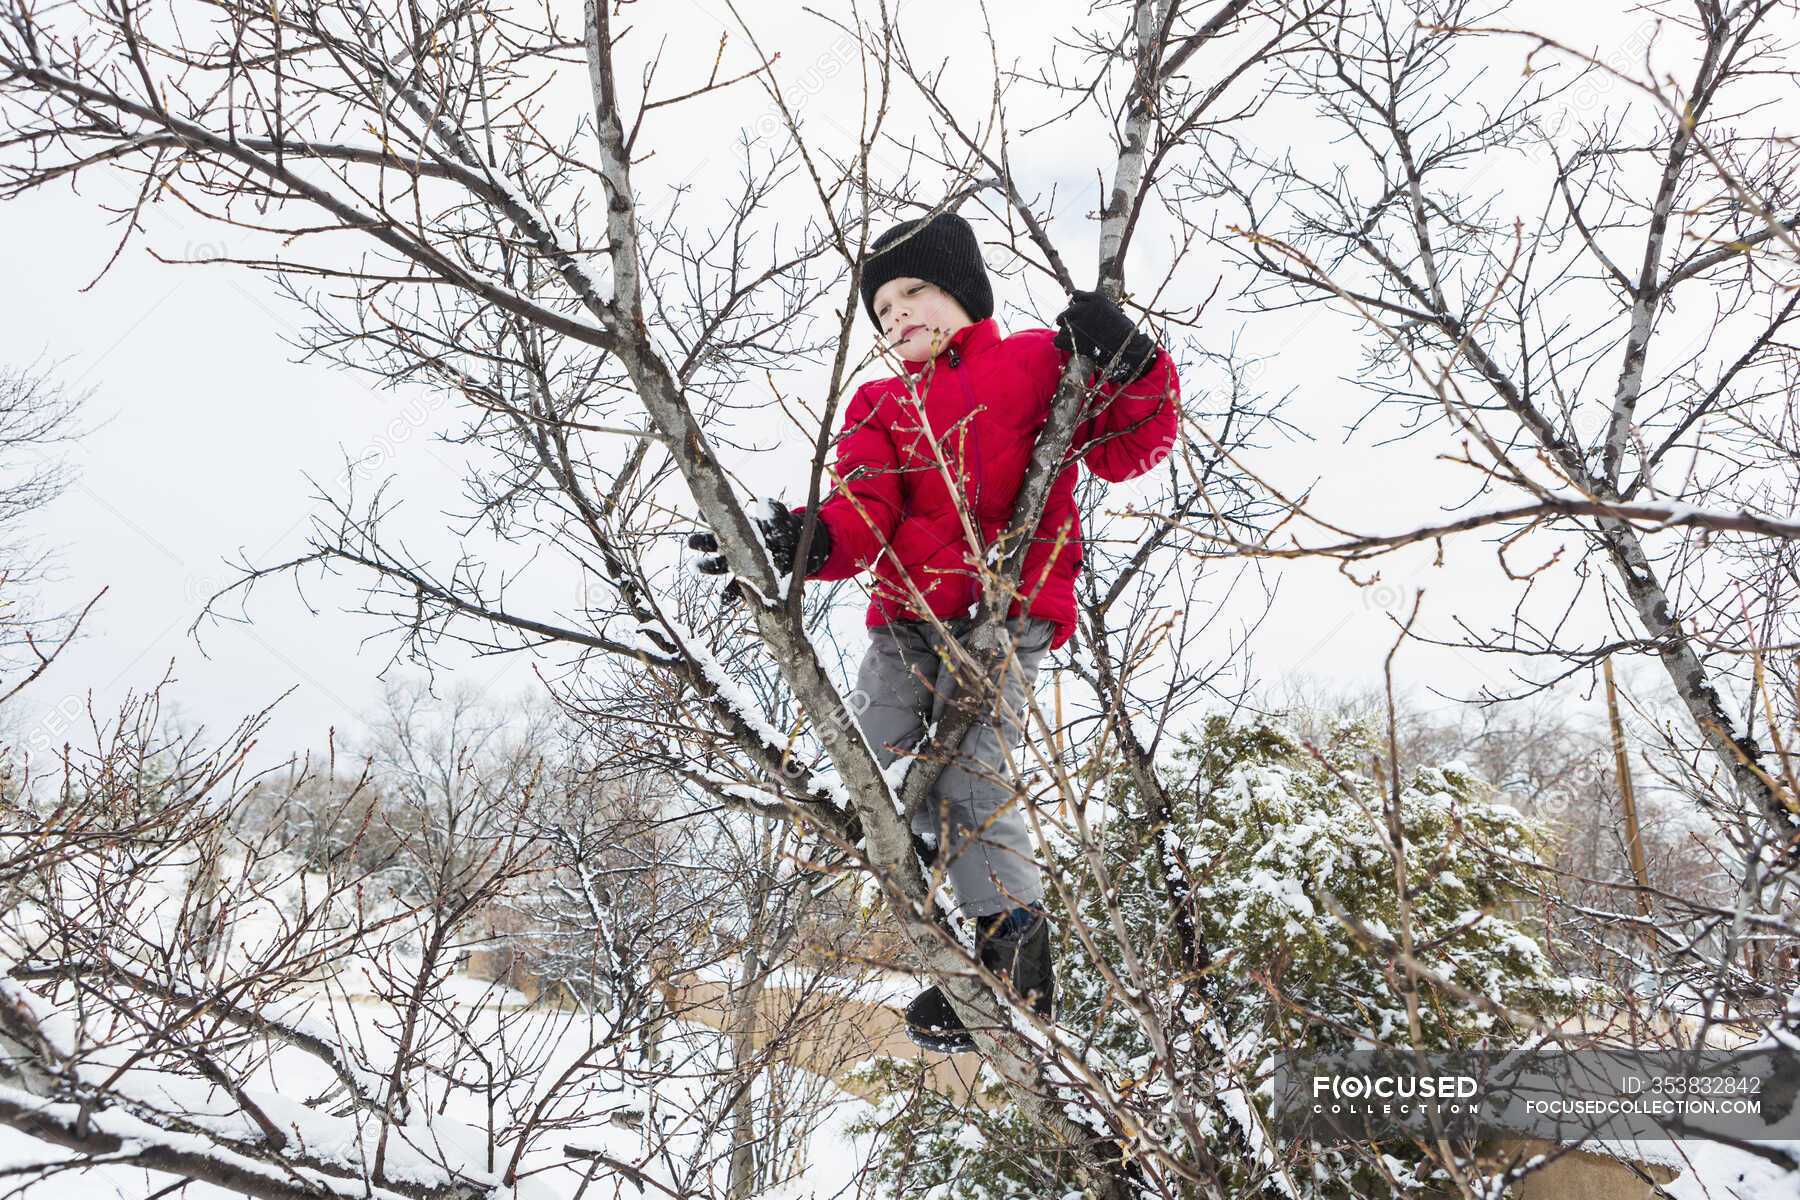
{"type": "Point", "coordinates": [974, 433]}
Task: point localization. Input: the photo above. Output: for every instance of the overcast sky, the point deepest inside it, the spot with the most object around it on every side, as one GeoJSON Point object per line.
{"type": "Point", "coordinates": [205, 431]}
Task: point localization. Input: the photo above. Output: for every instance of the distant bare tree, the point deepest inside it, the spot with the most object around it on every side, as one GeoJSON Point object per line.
{"type": "Point", "coordinates": [38, 414]}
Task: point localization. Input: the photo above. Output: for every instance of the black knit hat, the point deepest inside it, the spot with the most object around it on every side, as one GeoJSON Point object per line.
{"type": "Point", "coordinates": [943, 251]}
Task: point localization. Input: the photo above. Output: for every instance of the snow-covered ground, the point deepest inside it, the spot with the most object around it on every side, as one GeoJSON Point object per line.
{"type": "Point", "coordinates": [1711, 1171]}
{"type": "Point", "coordinates": [492, 1075]}
{"type": "Point", "coordinates": [571, 1072]}
{"type": "Point", "coordinates": [623, 1119]}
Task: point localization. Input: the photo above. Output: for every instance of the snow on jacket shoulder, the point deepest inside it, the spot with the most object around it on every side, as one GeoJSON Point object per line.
{"type": "Point", "coordinates": [953, 437]}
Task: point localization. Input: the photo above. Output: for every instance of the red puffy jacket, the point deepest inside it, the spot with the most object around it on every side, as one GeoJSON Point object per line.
{"type": "Point", "coordinates": [984, 399]}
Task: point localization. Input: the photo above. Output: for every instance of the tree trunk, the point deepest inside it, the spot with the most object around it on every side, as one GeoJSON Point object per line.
{"type": "Point", "coordinates": [1736, 750]}
{"type": "Point", "coordinates": [746, 997]}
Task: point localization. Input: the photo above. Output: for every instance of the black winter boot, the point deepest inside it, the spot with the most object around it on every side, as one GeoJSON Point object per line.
{"type": "Point", "coordinates": [1014, 945]}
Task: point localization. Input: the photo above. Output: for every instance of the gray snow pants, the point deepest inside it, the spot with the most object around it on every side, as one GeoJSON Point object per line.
{"type": "Point", "coordinates": [974, 812]}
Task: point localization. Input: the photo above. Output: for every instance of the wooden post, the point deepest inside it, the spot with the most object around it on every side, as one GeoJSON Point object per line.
{"type": "Point", "coordinates": [1634, 840]}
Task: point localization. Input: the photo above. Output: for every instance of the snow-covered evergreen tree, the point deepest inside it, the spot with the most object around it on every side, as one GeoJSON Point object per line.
{"type": "Point", "coordinates": [1287, 851]}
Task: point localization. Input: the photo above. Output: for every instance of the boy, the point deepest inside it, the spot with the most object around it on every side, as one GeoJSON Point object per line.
{"type": "Point", "coordinates": [925, 462]}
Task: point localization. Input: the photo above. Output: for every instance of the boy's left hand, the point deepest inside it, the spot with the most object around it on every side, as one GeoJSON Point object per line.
{"type": "Point", "coordinates": [1096, 327]}
{"type": "Point", "coordinates": [780, 528]}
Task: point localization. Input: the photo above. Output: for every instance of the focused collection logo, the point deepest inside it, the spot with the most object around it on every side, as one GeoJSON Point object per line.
{"type": "Point", "coordinates": [1565, 1094]}
{"type": "Point", "coordinates": [1387, 1095]}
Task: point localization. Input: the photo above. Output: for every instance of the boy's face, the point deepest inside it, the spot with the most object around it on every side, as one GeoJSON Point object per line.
{"type": "Point", "coordinates": [917, 318]}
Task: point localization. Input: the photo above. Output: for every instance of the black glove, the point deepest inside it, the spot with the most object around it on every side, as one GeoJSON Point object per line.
{"type": "Point", "coordinates": [705, 559]}
{"type": "Point", "coordinates": [1094, 326]}
{"type": "Point", "coordinates": [780, 533]}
